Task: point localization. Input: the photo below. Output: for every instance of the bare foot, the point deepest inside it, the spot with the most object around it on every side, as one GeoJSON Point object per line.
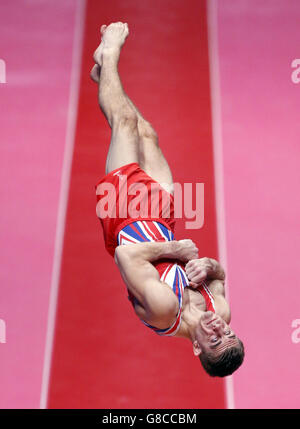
{"type": "Point", "coordinates": [95, 72]}
{"type": "Point", "coordinates": [113, 38]}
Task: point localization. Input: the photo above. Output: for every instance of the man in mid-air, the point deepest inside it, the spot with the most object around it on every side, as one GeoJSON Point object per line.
{"type": "Point", "coordinates": [172, 291]}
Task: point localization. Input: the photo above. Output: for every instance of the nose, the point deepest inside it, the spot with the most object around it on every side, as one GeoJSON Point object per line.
{"type": "Point", "coordinates": [217, 326]}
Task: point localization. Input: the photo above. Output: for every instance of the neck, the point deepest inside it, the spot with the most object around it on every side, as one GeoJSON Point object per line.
{"type": "Point", "coordinates": [191, 316]}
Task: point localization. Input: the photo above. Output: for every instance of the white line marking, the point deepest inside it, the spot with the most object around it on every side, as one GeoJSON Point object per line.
{"type": "Point", "coordinates": [213, 51]}
{"type": "Point", "coordinates": [64, 193]}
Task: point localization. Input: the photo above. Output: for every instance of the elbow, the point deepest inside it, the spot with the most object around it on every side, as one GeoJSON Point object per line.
{"type": "Point", "coordinates": [120, 254]}
{"type": "Point", "coordinates": [117, 254]}
{"type": "Point", "coordinates": [124, 253]}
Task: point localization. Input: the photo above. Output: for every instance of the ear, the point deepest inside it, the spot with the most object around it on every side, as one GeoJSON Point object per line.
{"type": "Point", "coordinates": [196, 348]}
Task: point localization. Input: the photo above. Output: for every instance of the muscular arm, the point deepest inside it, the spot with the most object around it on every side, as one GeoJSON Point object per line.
{"type": "Point", "coordinates": [213, 274]}
{"type": "Point", "coordinates": [142, 279]}
{"type": "Point", "coordinates": [204, 268]}
{"type": "Point", "coordinates": [218, 290]}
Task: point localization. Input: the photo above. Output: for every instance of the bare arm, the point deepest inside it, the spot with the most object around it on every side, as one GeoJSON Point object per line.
{"type": "Point", "coordinates": [204, 268]}
{"type": "Point", "coordinates": [210, 269]}
{"type": "Point", "coordinates": [218, 290]}
{"type": "Point", "coordinates": [142, 278]}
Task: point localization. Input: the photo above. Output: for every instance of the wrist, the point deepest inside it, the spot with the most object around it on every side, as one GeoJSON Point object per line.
{"type": "Point", "coordinates": [175, 249]}
{"type": "Point", "coordinates": [168, 249]}
{"type": "Point", "coordinates": [152, 251]}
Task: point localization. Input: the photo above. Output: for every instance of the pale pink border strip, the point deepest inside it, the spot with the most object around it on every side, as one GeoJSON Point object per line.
{"type": "Point", "coordinates": [64, 193]}
{"type": "Point", "coordinates": [214, 69]}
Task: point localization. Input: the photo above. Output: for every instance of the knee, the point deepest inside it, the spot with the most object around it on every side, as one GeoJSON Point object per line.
{"type": "Point", "coordinates": [146, 132]}
{"type": "Point", "coordinates": [127, 120]}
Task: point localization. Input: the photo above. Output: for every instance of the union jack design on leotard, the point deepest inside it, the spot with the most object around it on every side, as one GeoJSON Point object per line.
{"type": "Point", "coordinates": [140, 231]}
{"type": "Point", "coordinates": [173, 275]}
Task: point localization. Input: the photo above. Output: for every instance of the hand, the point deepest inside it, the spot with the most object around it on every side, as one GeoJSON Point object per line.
{"type": "Point", "coordinates": [187, 250]}
{"type": "Point", "coordinates": [198, 270]}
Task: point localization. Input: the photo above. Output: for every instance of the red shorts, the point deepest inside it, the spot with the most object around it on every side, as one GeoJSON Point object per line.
{"type": "Point", "coordinates": [128, 194]}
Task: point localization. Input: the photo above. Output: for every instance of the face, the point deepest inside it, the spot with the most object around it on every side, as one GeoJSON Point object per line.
{"type": "Point", "coordinates": [213, 335]}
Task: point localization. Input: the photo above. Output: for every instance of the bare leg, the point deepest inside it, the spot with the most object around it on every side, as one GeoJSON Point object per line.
{"type": "Point", "coordinates": [151, 158]}
{"type": "Point", "coordinates": [148, 153]}
{"type": "Point", "coordinates": [124, 146]}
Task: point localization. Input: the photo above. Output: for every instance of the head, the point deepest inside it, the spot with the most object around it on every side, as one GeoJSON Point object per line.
{"type": "Point", "coordinates": [220, 351]}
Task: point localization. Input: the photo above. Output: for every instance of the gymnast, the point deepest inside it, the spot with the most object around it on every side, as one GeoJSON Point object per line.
{"type": "Point", "coordinates": [172, 290]}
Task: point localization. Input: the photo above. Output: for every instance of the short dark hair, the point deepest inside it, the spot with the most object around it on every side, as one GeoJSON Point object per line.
{"type": "Point", "coordinates": [224, 364]}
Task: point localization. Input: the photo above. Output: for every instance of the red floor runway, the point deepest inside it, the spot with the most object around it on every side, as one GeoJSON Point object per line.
{"type": "Point", "coordinates": [103, 357]}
